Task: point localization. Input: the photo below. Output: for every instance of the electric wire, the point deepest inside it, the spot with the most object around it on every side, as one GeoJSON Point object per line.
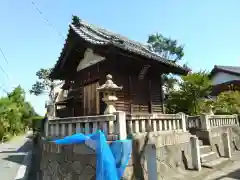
{"type": "Point", "coordinates": [46, 19]}
{"type": "Point", "coordinates": [3, 55]}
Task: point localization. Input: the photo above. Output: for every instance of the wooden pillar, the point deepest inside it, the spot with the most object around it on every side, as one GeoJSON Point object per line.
{"type": "Point", "coordinates": [162, 93]}
{"type": "Point", "coordinates": [150, 96]}
{"type": "Point", "coordinates": [130, 93]}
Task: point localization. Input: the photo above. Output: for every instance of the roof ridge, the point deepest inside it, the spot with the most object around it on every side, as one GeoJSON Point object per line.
{"type": "Point", "coordinates": [227, 66]}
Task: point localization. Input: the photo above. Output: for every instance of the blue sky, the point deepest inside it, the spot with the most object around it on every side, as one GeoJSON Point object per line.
{"type": "Point", "coordinates": [208, 29]}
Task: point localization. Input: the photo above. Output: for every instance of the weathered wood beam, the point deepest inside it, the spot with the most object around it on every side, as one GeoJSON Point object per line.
{"type": "Point", "coordinates": [150, 95]}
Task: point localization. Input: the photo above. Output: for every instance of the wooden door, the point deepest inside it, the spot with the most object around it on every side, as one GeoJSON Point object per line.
{"type": "Point", "coordinates": [91, 99]}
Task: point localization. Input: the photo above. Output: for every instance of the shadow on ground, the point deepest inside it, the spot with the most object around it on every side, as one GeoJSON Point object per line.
{"type": "Point", "coordinates": [17, 156]}
{"type": "Point", "coordinates": [233, 175]}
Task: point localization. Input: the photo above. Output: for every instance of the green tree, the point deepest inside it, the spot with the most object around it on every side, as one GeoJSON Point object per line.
{"type": "Point", "coordinates": [44, 84]}
{"type": "Point", "coordinates": [15, 113]}
{"type": "Point", "coordinates": [192, 89]}
{"type": "Point", "coordinates": [169, 49]}
{"type": "Point", "coordinates": [227, 103]}
{"type": "Point", "coordinates": [166, 47]}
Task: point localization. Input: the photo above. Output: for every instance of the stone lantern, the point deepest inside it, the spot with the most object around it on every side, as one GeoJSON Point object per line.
{"type": "Point", "coordinates": [109, 90]}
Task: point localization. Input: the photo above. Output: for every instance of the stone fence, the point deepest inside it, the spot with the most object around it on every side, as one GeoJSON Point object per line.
{"type": "Point", "coordinates": [220, 120]}
{"type": "Point", "coordinates": [119, 125]}
{"type": "Point", "coordinates": [141, 123]}
{"type": "Point", "coordinates": [116, 126]}
{"type": "Point", "coordinates": [111, 124]}
{"type": "Point", "coordinates": [207, 122]}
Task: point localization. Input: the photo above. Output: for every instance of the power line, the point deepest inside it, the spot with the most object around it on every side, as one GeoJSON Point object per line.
{"type": "Point", "coordinates": [49, 23]}
{"type": "Point", "coordinates": [4, 72]}
{"type": "Point", "coordinates": [2, 69]}
{"type": "Point", "coordinates": [3, 55]}
{"type": "Point", "coordinates": [5, 59]}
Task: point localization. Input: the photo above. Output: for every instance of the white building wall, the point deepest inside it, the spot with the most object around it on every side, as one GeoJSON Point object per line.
{"type": "Point", "coordinates": [222, 77]}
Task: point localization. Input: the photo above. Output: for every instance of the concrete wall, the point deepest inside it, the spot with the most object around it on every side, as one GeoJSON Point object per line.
{"type": "Point", "coordinates": [67, 162]}
{"type": "Point", "coordinates": [173, 154]}
{"type": "Point", "coordinates": [216, 139]}
{"type": "Point", "coordinates": [73, 162]}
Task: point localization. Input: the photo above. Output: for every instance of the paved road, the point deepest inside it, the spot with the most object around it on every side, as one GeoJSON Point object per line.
{"type": "Point", "coordinates": [229, 172]}
{"type": "Point", "coordinates": [12, 155]}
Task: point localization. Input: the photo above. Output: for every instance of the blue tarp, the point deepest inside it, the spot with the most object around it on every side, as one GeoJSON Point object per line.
{"type": "Point", "coordinates": [111, 159]}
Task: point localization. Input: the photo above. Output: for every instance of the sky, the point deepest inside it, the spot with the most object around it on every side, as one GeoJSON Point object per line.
{"type": "Point", "coordinates": [209, 31]}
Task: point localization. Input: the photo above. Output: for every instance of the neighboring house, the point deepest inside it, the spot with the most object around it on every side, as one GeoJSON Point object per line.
{"type": "Point", "coordinates": [225, 78]}
{"type": "Point", "coordinates": [90, 53]}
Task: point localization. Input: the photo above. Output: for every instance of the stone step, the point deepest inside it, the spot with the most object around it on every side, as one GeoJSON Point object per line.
{"type": "Point", "coordinates": [208, 157]}
{"type": "Point", "coordinates": [205, 149]}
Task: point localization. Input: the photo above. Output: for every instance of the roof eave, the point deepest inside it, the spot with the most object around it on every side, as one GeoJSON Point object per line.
{"type": "Point", "coordinates": [56, 66]}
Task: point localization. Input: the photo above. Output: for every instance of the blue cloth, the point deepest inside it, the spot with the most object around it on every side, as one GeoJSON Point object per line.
{"type": "Point", "coordinates": [111, 160]}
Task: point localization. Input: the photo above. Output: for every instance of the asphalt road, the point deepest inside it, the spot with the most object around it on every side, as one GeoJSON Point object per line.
{"type": "Point", "coordinates": [12, 156]}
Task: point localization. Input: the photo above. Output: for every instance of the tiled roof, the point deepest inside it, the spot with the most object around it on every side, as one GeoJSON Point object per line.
{"type": "Point", "coordinates": [235, 69]}
{"type": "Point", "coordinates": [99, 36]}
{"type": "Point", "coordinates": [228, 69]}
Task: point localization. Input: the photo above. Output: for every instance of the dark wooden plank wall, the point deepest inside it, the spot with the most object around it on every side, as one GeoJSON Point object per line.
{"type": "Point", "coordinates": [123, 103]}
{"type": "Point", "coordinates": [86, 98]}
{"type": "Point", "coordinates": [156, 94]}
{"type": "Point", "coordinates": [140, 94]}
{"type": "Point", "coordinates": [143, 95]}
{"type": "Point", "coordinates": [120, 77]}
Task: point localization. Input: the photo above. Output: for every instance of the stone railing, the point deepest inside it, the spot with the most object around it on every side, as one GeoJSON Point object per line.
{"type": "Point", "coordinates": [141, 123]}
{"type": "Point", "coordinates": [109, 124]}
{"type": "Point", "coordinates": [193, 122]}
{"type": "Point", "coordinates": [117, 125]}
{"type": "Point", "coordinates": [222, 120]}
{"type": "Point", "coordinates": [206, 121]}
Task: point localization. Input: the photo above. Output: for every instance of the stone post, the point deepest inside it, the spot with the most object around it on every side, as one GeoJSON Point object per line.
{"type": "Point", "coordinates": [151, 154]}
{"type": "Point", "coordinates": [121, 125]}
{"type": "Point", "coordinates": [195, 151]}
{"type": "Point", "coordinates": [237, 119]}
{"type": "Point", "coordinates": [184, 121]}
{"type": "Point", "coordinates": [226, 145]}
{"type": "Point", "coordinates": [109, 94]}
{"type": "Point", "coordinates": [205, 124]}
